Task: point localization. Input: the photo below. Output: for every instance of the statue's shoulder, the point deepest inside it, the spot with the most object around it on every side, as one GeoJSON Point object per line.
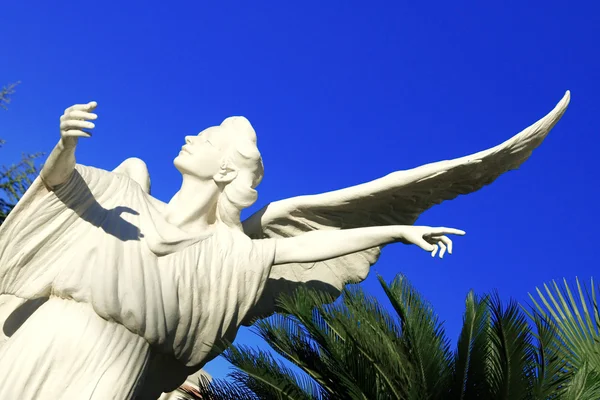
{"type": "Point", "coordinates": [137, 170]}
{"type": "Point", "coordinates": [132, 170]}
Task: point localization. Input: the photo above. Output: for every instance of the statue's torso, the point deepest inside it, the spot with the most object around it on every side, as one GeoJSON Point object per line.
{"type": "Point", "coordinates": [95, 258]}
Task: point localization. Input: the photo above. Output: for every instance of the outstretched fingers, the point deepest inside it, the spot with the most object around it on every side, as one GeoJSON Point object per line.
{"type": "Point", "coordinates": [80, 115]}
{"type": "Point", "coordinates": [443, 248]}
{"type": "Point", "coordinates": [442, 243]}
{"type": "Point", "coordinates": [425, 245]}
{"type": "Point", "coordinates": [435, 240]}
{"type": "Point", "coordinates": [82, 107]}
{"type": "Point", "coordinates": [76, 124]}
{"type": "Point", "coordinates": [445, 242]}
{"type": "Point", "coordinates": [446, 231]}
{"type": "Point", "coordinates": [77, 118]}
{"type": "Point", "coordinates": [77, 133]}
{"type": "Point", "coordinates": [435, 250]}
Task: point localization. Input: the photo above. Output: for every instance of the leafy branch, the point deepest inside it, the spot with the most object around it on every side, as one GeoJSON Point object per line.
{"type": "Point", "coordinates": [5, 94]}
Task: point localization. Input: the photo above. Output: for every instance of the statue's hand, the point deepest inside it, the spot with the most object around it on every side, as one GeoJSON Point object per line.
{"type": "Point", "coordinates": [430, 239]}
{"type": "Point", "coordinates": [74, 121]}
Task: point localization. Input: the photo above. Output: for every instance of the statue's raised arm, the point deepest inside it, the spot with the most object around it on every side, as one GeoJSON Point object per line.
{"type": "Point", "coordinates": [75, 123]}
{"type": "Point", "coordinates": [396, 199]}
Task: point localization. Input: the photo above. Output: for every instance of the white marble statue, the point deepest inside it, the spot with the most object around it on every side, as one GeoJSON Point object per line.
{"type": "Point", "coordinates": [109, 293]}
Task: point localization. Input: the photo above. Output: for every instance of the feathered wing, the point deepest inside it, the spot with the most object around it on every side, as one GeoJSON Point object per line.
{"type": "Point", "coordinates": [396, 199]}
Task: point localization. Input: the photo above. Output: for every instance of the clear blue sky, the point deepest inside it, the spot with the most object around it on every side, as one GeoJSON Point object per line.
{"type": "Point", "coordinates": [340, 92]}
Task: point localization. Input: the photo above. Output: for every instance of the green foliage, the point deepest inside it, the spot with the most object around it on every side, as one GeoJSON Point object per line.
{"type": "Point", "coordinates": [585, 385]}
{"type": "Point", "coordinates": [509, 360]}
{"type": "Point", "coordinates": [471, 355]}
{"type": "Point", "coordinates": [16, 178]}
{"type": "Point", "coordinates": [422, 337]}
{"type": "Point", "coordinates": [550, 370]}
{"type": "Point", "coordinates": [574, 337]}
{"type": "Point", "coordinates": [14, 181]}
{"type": "Point", "coordinates": [217, 390]}
{"type": "Point", "coordinates": [5, 94]}
{"type": "Point", "coordinates": [354, 348]}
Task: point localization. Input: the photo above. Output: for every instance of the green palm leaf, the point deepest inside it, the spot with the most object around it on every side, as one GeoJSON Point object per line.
{"type": "Point", "coordinates": [550, 370]}
{"type": "Point", "coordinates": [288, 338]}
{"type": "Point", "coordinates": [473, 349]}
{"type": "Point", "coordinates": [341, 364]}
{"type": "Point", "coordinates": [218, 389]}
{"type": "Point", "coordinates": [423, 337]}
{"type": "Point", "coordinates": [577, 322]}
{"type": "Point", "coordinates": [354, 348]}
{"type": "Point", "coordinates": [585, 385]}
{"type": "Point", "coordinates": [511, 352]}
{"type": "Point", "coordinates": [267, 377]}
{"type": "Point", "coordinates": [376, 335]}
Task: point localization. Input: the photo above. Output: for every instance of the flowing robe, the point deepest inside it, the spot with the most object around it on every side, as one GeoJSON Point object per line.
{"type": "Point", "coordinates": [101, 298]}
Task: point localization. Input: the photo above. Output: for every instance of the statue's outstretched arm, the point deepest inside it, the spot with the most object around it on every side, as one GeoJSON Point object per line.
{"type": "Point", "coordinates": [397, 199]}
{"type": "Point", "coordinates": [327, 244]}
{"type": "Point", "coordinates": [61, 162]}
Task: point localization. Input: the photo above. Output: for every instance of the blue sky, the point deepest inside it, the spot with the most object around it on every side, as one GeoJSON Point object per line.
{"type": "Point", "coordinates": [340, 92]}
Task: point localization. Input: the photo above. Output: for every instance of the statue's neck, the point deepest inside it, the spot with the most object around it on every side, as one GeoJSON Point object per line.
{"type": "Point", "coordinates": [193, 209]}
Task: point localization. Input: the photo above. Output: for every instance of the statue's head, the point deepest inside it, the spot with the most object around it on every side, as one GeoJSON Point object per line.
{"type": "Point", "coordinates": [226, 154]}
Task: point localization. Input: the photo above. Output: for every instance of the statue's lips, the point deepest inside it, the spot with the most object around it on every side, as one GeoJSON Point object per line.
{"type": "Point", "coordinates": [185, 150]}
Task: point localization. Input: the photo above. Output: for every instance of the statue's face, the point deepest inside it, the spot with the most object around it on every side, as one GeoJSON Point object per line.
{"type": "Point", "coordinates": [202, 155]}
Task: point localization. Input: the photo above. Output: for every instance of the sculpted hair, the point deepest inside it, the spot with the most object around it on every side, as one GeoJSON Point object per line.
{"type": "Point", "coordinates": [244, 157]}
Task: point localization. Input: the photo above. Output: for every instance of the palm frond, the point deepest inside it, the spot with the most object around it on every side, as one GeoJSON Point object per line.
{"type": "Point", "coordinates": [550, 370]}
{"type": "Point", "coordinates": [585, 385]}
{"type": "Point", "coordinates": [352, 362]}
{"type": "Point", "coordinates": [576, 320]}
{"type": "Point", "coordinates": [328, 338]}
{"type": "Point", "coordinates": [288, 338]}
{"type": "Point", "coordinates": [423, 336]}
{"type": "Point", "coordinates": [375, 337]}
{"type": "Point", "coordinates": [511, 351]}
{"type": "Point", "coordinates": [266, 377]}
{"type": "Point", "coordinates": [217, 389]}
{"type": "Point", "coordinates": [473, 348]}
{"type": "Point", "coordinates": [353, 348]}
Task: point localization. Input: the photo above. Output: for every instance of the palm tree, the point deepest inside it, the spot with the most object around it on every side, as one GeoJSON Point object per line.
{"type": "Point", "coordinates": [571, 324]}
{"type": "Point", "coordinates": [355, 349]}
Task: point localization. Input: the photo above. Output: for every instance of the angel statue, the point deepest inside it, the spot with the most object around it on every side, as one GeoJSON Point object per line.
{"type": "Point", "coordinates": [109, 293]}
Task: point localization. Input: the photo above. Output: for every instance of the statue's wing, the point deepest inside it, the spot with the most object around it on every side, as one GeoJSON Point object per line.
{"type": "Point", "coordinates": [137, 171]}
{"type": "Point", "coordinates": [396, 199]}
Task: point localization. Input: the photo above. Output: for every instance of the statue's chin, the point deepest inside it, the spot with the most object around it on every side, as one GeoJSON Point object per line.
{"type": "Point", "coordinates": [177, 162]}
{"type": "Point", "coordinates": [185, 170]}
{"type": "Point", "coordinates": [186, 167]}
{"type": "Point", "coordinates": [182, 168]}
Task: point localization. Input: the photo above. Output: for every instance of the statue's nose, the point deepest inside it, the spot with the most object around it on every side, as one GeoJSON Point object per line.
{"type": "Point", "coordinates": [188, 140]}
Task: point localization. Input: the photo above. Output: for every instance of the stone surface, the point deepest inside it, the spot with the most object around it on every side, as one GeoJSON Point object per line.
{"type": "Point", "coordinates": [107, 292]}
